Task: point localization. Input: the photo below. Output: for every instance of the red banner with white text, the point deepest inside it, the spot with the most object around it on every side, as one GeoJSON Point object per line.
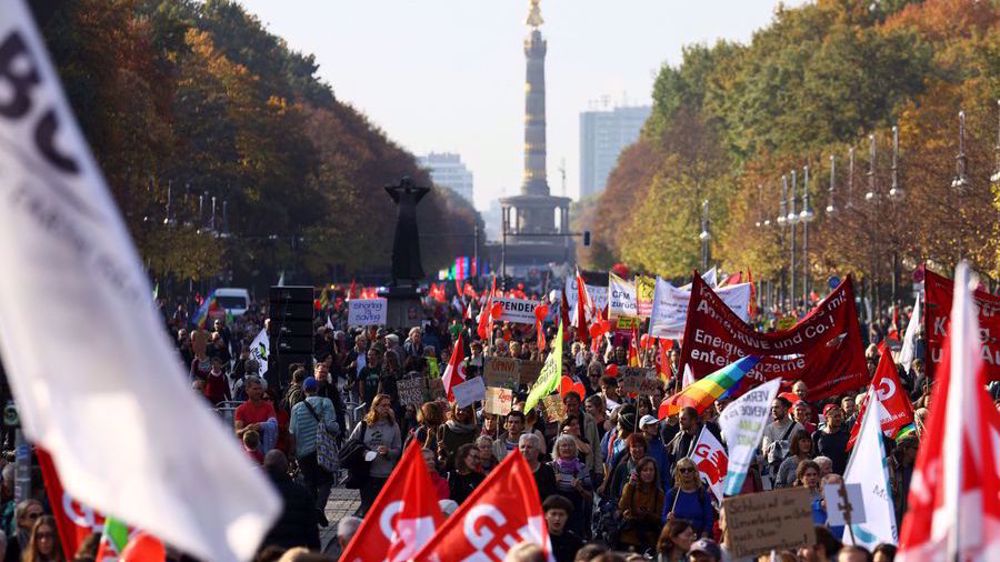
{"type": "Point", "coordinates": [938, 293]}
{"type": "Point", "coordinates": [74, 521]}
{"type": "Point", "coordinates": [824, 349]}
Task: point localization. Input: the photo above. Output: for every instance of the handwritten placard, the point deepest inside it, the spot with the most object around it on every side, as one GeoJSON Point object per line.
{"type": "Point", "coordinates": [411, 391]}
{"type": "Point", "coordinates": [501, 371]}
{"type": "Point", "coordinates": [555, 410]}
{"type": "Point", "coordinates": [469, 392]}
{"type": "Point", "coordinates": [776, 520]}
{"type": "Point", "coordinates": [529, 372]}
{"type": "Point", "coordinates": [367, 312]}
{"type": "Point", "coordinates": [639, 381]}
{"type": "Point", "coordinates": [498, 401]}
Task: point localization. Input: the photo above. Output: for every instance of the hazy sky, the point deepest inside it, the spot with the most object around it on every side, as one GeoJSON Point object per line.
{"type": "Point", "coordinates": [448, 75]}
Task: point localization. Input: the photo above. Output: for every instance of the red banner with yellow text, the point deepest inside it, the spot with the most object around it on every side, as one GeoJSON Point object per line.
{"type": "Point", "coordinates": [824, 349]}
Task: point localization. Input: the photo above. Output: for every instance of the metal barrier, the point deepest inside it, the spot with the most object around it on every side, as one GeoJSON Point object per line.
{"type": "Point", "coordinates": [227, 410]}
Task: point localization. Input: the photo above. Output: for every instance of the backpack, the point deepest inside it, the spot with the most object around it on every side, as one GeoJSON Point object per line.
{"type": "Point", "coordinates": [778, 451]}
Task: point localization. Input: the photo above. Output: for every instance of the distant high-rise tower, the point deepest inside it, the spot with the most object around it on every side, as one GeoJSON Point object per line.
{"type": "Point", "coordinates": [603, 135]}
{"type": "Point", "coordinates": [447, 170]}
{"type": "Point", "coordinates": [534, 211]}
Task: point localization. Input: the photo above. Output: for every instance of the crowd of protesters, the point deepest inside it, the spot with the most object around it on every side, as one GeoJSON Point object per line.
{"type": "Point", "coordinates": [615, 482]}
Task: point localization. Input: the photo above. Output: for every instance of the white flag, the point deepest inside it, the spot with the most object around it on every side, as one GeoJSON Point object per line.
{"type": "Point", "coordinates": [260, 349]}
{"type": "Point", "coordinates": [710, 457]}
{"type": "Point", "coordinates": [126, 432]}
{"type": "Point", "coordinates": [867, 467]}
{"type": "Point", "coordinates": [743, 422]}
{"type": "Point", "coordinates": [905, 356]}
{"type": "Point", "coordinates": [670, 307]}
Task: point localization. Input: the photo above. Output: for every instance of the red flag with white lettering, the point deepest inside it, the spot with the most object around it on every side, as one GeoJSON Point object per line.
{"type": "Point", "coordinates": [502, 512]}
{"type": "Point", "coordinates": [73, 520]}
{"type": "Point", "coordinates": [403, 517]}
{"type": "Point", "coordinates": [954, 508]}
{"type": "Point", "coordinates": [896, 412]}
{"type": "Point", "coordinates": [712, 461]}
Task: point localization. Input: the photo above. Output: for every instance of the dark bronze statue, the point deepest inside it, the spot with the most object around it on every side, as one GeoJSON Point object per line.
{"type": "Point", "coordinates": [406, 268]}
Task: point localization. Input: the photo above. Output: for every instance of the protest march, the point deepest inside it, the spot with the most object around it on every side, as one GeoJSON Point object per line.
{"type": "Point", "coordinates": [492, 414]}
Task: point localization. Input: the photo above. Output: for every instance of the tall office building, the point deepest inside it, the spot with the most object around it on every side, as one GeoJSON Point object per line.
{"type": "Point", "coordinates": [447, 170]}
{"type": "Point", "coordinates": [603, 135]}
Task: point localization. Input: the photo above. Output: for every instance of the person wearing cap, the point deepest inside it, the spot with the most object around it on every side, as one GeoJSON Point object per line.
{"type": "Point", "coordinates": [310, 416]}
{"type": "Point", "coordinates": [705, 550]}
{"type": "Point", "coordinates": [650, 427]}
{"type": "Point", "coordinates": [831, 441]}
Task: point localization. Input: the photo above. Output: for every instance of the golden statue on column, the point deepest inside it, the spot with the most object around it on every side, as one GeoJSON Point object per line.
{"type": "Point", "coordinates": [535, 15]}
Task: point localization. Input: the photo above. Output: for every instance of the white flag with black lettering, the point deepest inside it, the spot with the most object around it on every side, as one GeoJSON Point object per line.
{"type": "Point", "coordinates": [127, 434]}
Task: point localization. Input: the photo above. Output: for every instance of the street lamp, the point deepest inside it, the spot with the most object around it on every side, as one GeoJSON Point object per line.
{"type": "Point", "coordinates": [872, 194]}
{"type": "Point", "coordinates": [850, 179]}
{"type": "Point", "coordinates": [961, 182]}
{"type": "Point", "coordinates": [792, 219]}
{"type": "Point", "coordinates": [705, 236]}
{"type": "Point", "coordinates": [760, 200]}
{"type": "Point", "coordinates": [806, 216]}
{"type": "Point", "coordinates": [830, 208]}
{"type": "Point", "coordinates": [896, 193]}
{"type": "Point", "coordinates": [781, 220]}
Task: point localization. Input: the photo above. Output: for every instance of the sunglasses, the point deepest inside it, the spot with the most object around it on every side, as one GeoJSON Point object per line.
{"type": "Point", "coordinates": [685, 470]}
{"type": "Point", "coordinates": [33, 515]}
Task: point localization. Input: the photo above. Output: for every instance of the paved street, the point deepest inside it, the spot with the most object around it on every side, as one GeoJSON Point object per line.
{"type": "Point", "coordinates": [342, 502]}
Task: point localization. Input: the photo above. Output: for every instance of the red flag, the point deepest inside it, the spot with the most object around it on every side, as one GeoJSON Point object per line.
{"type": "Point", "coordinates": [938, 294]}
{"type": "Point", "coordinates": [897, 411]}
{"type": "Point", "coordinates": [469, 291]}
{"type": "Point", "coordinates": [633, 349]}
{"type": "Point", "coordinates": [350, 290]}
{"type": "Point", "coordinates": [541, 312]}
{"type": "Point", "coordinates": [454, 373]}
{"type": "Point", "coordinates": [584, 308]}
{"type": "Point", "coordinates": [753, 294]}
{"type": "Point", "coordinates": [484, 315]}
{"type": "Point", "coordinates": [73, 520]}
{"type": "Point", "coordinates": [502, 512]}
{"type": "Point", "coordinates": [954, 508]}
{"type": "Point", "coordinates": [403, 517]}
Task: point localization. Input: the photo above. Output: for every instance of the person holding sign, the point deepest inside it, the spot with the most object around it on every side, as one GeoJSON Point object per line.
{"type": "Point", "coordinates": [688, 499]}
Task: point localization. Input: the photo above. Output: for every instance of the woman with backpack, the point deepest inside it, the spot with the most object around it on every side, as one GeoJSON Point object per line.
{"type": "Point", "coordinates": [688, 499]}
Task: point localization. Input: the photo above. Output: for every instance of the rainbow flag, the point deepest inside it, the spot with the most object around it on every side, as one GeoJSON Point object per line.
{"type": "Point", "coordinates": [201, 317]}
{"type": "Point", "coordinates": [702, 393]}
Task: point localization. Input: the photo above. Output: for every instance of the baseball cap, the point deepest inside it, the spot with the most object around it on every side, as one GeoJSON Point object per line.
{"type": "Point", "coordinates": [829, 407]}
{"type": "Point", "coordinates": [310, 384]}
{"type": "Point", "coordinates": [706, 546]}
{"type": "Point", "coordinates": [648, 419]}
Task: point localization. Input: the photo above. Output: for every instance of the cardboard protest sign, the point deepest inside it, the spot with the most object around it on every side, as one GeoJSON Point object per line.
{"type": "Point", "coordinates": [555, 410]}
{"type": "Point", "coordinates": [367, 312]}
{"type": "Point", "coordinates": [499, 401]}
{"type": "Point", "coordinates": [469, 392]}
{"type": "Point", "coordinates": [529, 371]}
{"type": "Point", "coordinates": [776, 520]}
{"type": "Point", "coordinates": [501, 372]}
{"type": "Point", "coordinates": [637, 380]}
{"type": "Point", "coordinates": [938, 296]}
{"type": "Point", "coordinates": [517, 311]}
{"type": "Point", "coordinates": [823, 350]}
{"type": "Point", "coordinates": [411, 391]}
{"type": "Point", "coordinates": [621, 298]}
{"type": "Point", "coordinates": [855, 499]}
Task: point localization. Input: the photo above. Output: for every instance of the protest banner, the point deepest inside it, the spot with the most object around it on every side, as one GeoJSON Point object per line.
{"type": "Point", "coordinates": [645, 287]}
{"type": "Point", "coordinates": [528, 372]}
{"type": "Point", "coordinates": [367, 312]}
{"type": "Point", "coordinates": [938, 296]}
{"type": "Point", "coordinates": [411, 391]}
{"type": "Point", "coordinates": [502, 372]}
{"type": "Point", "coordinates": [469, 392]}
{"type": "Point", "coordinates": [637, 380]}
{"type": "Point", "coordinates": [260, 350]}
{"type": "Point", "coordinates": [621, 298]}
{"type": "Point", "coordinates": [555, 410]}
{"type": "Point", "coordinates": [499, 401]}
{"type": "Point", "coordinates": [823, 350]}
{"type": "Point", "coordinates": [670, 307]}
{"type": "Point", "coordinates": [596, 283]}
{"type": "Point", "coordinates": [742, 423]}
{"type": "Point", "coordinates": [516, 311]}
{"type": "Point", "coordinates": [776, 520]}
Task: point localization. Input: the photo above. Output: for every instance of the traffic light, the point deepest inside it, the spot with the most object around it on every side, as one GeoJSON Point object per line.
{"type": "Point", "coordinates": [586, 238]}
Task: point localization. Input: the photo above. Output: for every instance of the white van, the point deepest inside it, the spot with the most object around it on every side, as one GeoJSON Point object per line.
{"type": "Point", "coordinates": [236, 301]}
